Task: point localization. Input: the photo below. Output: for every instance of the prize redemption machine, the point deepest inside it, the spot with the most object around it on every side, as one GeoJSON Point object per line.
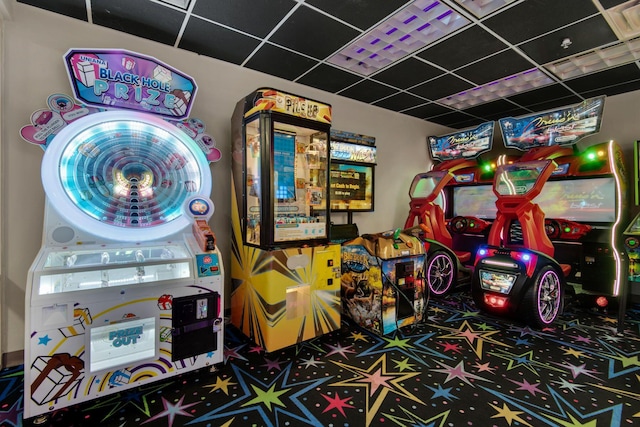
{"type": "Point", "coordinates": [285, 271]}
{"type": "Point", "coordinates": [127, 288]}
{"type": "Point", "coordinates": [442, 214]}
{"type": "Point", "coordinates": [559, 212]}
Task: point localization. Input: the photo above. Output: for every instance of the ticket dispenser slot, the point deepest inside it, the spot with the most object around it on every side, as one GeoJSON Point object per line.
{"type": "Point", "coordinates": [194, 320]}
{"type": "Point", "coordinates": [405, 291]}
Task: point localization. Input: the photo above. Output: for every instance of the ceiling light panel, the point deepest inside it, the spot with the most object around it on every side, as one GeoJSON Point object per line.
{"type": "Point", "coordinates": [626, 19]}
{"type": "Point", "coordinates": [183, 4]}
{"type": "Point", "coordinates": [508, 86]}
{"type": "Point", "coordinates": [596, 60]}
{"type": "Point", "coordinates": [415, 26]}
{"type": "Point", "coordinates": [481, 8]}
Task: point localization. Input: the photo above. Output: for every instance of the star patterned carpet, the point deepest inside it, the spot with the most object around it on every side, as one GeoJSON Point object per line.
{"type": "Point", "coordinates": [458, 368]}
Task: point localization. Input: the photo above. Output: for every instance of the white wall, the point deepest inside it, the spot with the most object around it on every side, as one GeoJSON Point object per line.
{"type": "Point", "coordinates": [34, 44]}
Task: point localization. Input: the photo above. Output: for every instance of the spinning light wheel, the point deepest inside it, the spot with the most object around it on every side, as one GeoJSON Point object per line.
{"type": "Point", "coordinates": [124, 176]}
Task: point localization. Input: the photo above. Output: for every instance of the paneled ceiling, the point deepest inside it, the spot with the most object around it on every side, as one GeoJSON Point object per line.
{"type": "Point", "coordinates": [457, 63]}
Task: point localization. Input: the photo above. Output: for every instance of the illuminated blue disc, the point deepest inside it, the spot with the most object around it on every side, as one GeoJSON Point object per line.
{"type": "Point", "coordinates": [124, 175]}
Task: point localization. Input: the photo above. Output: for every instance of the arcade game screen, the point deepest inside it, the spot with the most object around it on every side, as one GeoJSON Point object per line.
{"type": "Point", "coordinates": [351, 187]}
{"type": "Point", "coordinates": [589, 200]}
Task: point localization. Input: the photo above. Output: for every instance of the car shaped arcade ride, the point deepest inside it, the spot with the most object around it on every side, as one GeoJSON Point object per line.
{"type": "Point", "coordinates": [515, 274]}
{"type": "Point", "coordinates": [445, 266]}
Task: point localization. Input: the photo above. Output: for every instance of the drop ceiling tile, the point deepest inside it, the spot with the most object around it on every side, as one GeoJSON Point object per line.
{"type": "Point", "coordinates": [141, 18]}
{"type": "Point", "coordinates": [467, 124]}
{"type": "Point", "coordinates": [454, 118]}
{"type": "Point", "coordinates": [495, 67]}
{"type": "Point", "coordinates": [467, 46]}
{"type": "Point", "coordinates": [613, 90]}
{"type": "Point", "coordinates": [400, 101]}
{"type": "Point", "coordinates": [491, 108]}
{"type": "Point", "coordinates": [585, 35]}
{"type": "Point", "coordinates": [611, 77]}
{"type": "Point", "coordinates": [362, 14]}
{"type": "Point", "coordinates": [367, 91]}
{"type": "Point", "coordinates": [217, 42]}
{"type": "Point", "coordinates": [73, 8]}
{"type": "Point", "coordinates": [427, 110]}
{"type": "Point", "coordinates": [529, 19]}
{"type": "Point", "coordinates": [555, 104]}
{"type": "Point", "coordinates": [257, 17]}
{"type": "Point", "coordinates": [313, 33]}
{"type": "Point", "coordinates": [441, 87]}
{"type": "Point", "coordinates": [328, 78]}
{"type": "Point", "coordinates": [407, 73]}
{"type": "Point", "coordinates": [279, 62]}
{"type": "Point", "coordinates": [539, 95]}
{"type": "Point", "coordinates": [607, 4]}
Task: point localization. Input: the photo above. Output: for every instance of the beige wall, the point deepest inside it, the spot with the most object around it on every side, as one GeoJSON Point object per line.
{"type": "Point", "coordinates": [34, 44]}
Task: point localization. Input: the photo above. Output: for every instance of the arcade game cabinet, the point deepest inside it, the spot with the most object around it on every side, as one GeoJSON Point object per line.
{"type": "Point", "coordinates": [127, 288]}
{"type": "Point", "coordinates": [582, 207]}
{"type": "Point", "coordinates": [382, 286]}
{"type": "Point", "coordinates": [285, 270]}
{"type": "Point", "coordinates": [352, 162]}
{"type": "Point", "coordinates": [431, 196]}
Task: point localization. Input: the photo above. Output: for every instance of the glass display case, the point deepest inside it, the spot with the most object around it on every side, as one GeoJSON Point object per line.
{"type": "Point", "coordinates": [68, 270]}
{"type": "Point", "coordinates": [290, 191]}
{"type": "Point", "coordinates": [284, 269]}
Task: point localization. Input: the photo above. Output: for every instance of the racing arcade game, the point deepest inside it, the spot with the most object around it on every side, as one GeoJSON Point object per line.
{"type": "Point", "coordinates": [431, 195]}
{"type": "Point", "coordinates": [582, 205]}
{"type": "Point", "coordinates": [285, 271]}
{"type": "Point", "coordinates": [515, 277]}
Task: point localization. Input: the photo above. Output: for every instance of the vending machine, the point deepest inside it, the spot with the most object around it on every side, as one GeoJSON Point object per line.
{"type": "Point", "coordinates": [127, 288]}
{"type": "Point", "coordinates": [285, 271]}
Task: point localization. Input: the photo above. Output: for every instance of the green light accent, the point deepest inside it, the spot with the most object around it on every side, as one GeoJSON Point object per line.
{"type": "Point", "coordinates": [567, 229]}
{"type": "Point", "coordinates": [591, 156]}
{"type": "Point", "coordinates": [632, 242]}
{"type": "Point", "coordinates": [487, 168]}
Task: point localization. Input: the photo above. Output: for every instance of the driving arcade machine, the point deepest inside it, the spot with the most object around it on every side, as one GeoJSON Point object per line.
{"type": "Point", "coordinates": [582, 207]}
{"type": "Point", "coordinates": [285, 271]}
{"type": "Point", "coordinates": [127, 288]}
{"type": "Point", "coordinates": [431, 193]}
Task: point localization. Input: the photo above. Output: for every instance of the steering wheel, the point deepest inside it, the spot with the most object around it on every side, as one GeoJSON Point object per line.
{"type": "Point", "coordinates": [459, 224]}
{"type": "Point", "coordinates": [552, 228]}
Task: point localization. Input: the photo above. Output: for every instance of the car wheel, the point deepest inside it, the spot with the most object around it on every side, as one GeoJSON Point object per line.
{"type": "Point", "coordinates": [441, 273]}
{"type": "Point", "coordinates": [543, 301]}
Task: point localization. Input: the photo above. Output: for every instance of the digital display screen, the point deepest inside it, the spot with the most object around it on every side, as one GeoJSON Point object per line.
{"type": "Point", "coordinates": [351, 187]}
{"type": "Point", "coordinates": [582, 200]}
{"type": "Point", "coordinates": [284, 166]}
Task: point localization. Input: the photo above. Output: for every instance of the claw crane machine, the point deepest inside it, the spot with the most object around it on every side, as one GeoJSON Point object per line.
{"type": "Point", "coordinates": [127, 288]}
{"type": "Point", "coordinates": [285, 272]}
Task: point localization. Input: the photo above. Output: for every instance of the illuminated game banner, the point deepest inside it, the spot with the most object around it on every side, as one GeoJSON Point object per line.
{"type": "Point", "coordinates": [275, 100]}
{"type": "Point", "coordinates": [350, 137]}
{"type": "Point", "coordinates": [565, 126]}
{"type": "Point", "coordinates": [468, 144]}
{"type": "Point", "coordinates": [129, 80]}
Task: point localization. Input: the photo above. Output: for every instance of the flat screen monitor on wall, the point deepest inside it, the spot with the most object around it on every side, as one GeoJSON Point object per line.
{"type": "Point", "coordinates": [589, 200]}
{"type": "Point", "coordinates": [351, 187]}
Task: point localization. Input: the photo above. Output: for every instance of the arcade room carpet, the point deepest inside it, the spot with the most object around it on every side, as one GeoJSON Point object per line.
{"type": "Point", "coordinates": [458, 368]}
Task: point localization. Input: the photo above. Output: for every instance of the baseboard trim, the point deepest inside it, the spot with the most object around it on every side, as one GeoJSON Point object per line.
{"type": "Point", "coordinates": [14, 358]}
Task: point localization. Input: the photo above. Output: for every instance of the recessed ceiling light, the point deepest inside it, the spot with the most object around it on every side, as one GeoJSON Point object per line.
{"type": "Point", "coordinates": [482, 8]}
{"type": "Point", "coordinates": [502, 88]}
{"type": "Point", "coordinates": [596, 60]}
{"type": "Point", "coordinates": [415, 26]}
